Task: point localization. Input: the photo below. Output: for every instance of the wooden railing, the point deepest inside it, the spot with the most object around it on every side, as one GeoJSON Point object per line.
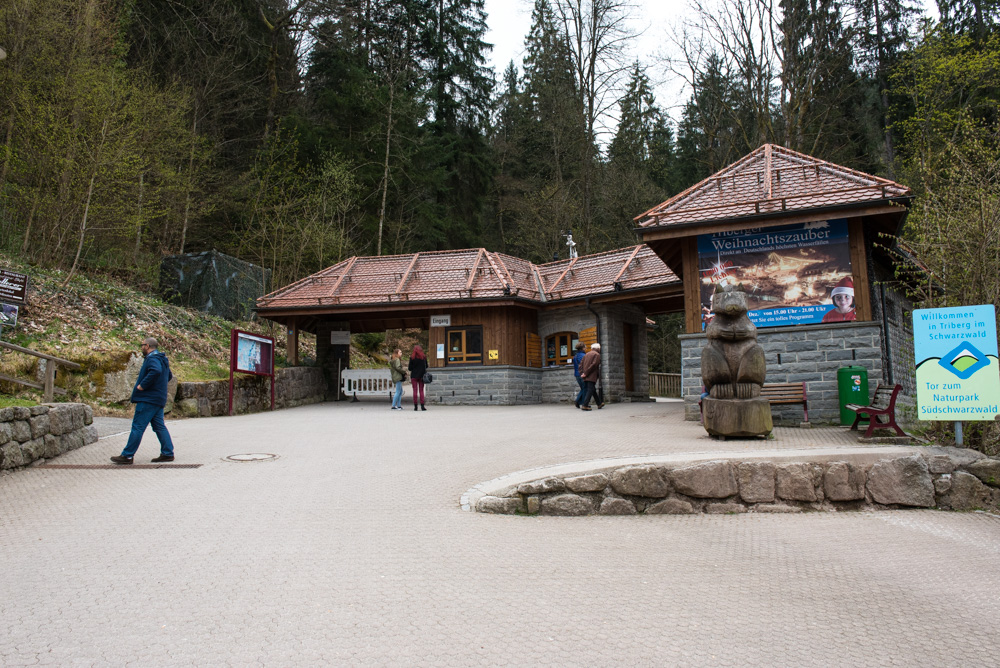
{"type": "Point", "coordinates": [49, 387]}
{"type": "Point", "coordinates": [664, 384]}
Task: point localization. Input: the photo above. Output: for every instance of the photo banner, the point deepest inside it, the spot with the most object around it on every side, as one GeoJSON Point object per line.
{"type": "Point", "coordinates": [792, 274]}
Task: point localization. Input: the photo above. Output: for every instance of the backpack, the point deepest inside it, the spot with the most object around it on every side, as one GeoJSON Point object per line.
{"type": "Point", "coordinates": [428, 378]}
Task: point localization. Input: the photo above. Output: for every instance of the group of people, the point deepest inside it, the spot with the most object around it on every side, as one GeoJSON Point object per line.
{"type": "Point", "coordinates": [587, 370]}
{"type": "Point", "coordinates": [417, 370]}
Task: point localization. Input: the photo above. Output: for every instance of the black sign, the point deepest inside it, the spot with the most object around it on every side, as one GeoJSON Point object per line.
{"type": "Point", "coordinates": [13, 286]}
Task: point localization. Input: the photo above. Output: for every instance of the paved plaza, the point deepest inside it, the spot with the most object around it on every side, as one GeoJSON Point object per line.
{"type": "Point", "coordinates": [351, 548]}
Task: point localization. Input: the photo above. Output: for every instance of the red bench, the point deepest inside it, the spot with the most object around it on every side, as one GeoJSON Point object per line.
{"type": "Point", "coordinates": [884, 404]}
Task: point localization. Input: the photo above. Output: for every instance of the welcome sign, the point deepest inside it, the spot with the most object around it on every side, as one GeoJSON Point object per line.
{"type": "Point", "coordinates": [958, 374]}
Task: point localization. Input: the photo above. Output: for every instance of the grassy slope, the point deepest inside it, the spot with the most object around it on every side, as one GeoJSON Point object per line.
{"type": "Point", "coordinates": [98, 322]}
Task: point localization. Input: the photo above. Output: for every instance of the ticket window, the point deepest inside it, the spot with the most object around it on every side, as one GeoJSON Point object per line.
{"type": "Point", "coordinates": [559, 348]}
{"type": "Point", "coordinates": [464, 345]}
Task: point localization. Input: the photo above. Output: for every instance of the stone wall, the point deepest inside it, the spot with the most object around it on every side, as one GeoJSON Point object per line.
{"type": "Point", "coordinates": [43, 432]}
{"type": "Point", "coordinates": [293, 386]}
{"type": "Point", "coordinates": [485, 385]}
{"type": "Point", "coordinates": [810, 353]}
{"type": "Point", "coordinates": [964, 480]}
{"type": "Point", "coordinates": [559, 385]}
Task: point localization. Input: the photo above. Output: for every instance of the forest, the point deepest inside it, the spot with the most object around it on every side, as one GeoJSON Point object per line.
{"type": "Point", "coordinates": [295, 133]}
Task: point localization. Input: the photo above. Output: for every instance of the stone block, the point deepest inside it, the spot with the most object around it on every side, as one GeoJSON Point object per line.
{"type": "Point", "coordinates": [966, 492]}
{"type": "Point", "coordinates": [939, 464]}
{"type": "Point", "coordinates": [830, 344]}
{"type": "Point", "coordinates": [567, 505]}
{"type": "Point", "coordinates": [542, 486]}
{"type": "Point", "coordinates": [11, 456]}
{"type": "Point", "coordinates": [33, 449]}
{"type": "Point", "coordinates": [38, 410]}
{"type": "Point", "coordinates": [594, 482]}
{"type": "Point", "coordinates": [6, 414]}
{"type": "Point", "coordinates": [533, 504]}
{"type": "Point", "coordinates": [88, 415]}
{"type": "Point", "coordinates": [756, 481]}
{"type": "Point", "coordinates": [800, 346]}
{"type": "Point", "coordinates": [52, 446]}
{"type": "Point", "coordinates": [844, 482]}
{"type": "Point", "coordinates": [724, 508]}
{"type": "Point", "coordinates": [187, 407]}
{"type": "Point", "coordinates": [5, 432]}
{"type": "Point", "coordinates": [776, 508]}
{"type": "Point", "coordinates": [797, 481]}
{"type": "Point", "coordinates": [90, 434]}
{"type": "Point", "coordinates": [651, 481]}
{"type": "Point", "coordinates": [671, 506]}
{"type": "Point", "coordinates": [711, 480]}
{"type": "Point", "coordinates": [838, 355]}
{"type": "Point", "coordinates": [942, 484]}
{"type": "Point", "coordinates": [498, 505]}
{"type": "Point", "coordinates": [987, 470]}
{"type": "Point", "coordinates": [20, 431]}
{"type": "Point", "coordinates": [39, 425]}
{"type": "Point", "coordinates": [19, 413]}
{"type": "Point", "coordinates": [904, 481]}
{"type": "Point", "coordinates": [72, 440]}
{"type": "Point", "coordinates": [615, 505]}
{"type": "Point", "coordinates": [61, 419]}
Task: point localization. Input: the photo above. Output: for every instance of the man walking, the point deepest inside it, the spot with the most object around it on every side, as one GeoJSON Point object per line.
{"type": "Point", "coordinates": [149, 397]}
{"type": "Point", "coordinates": [590, 369]}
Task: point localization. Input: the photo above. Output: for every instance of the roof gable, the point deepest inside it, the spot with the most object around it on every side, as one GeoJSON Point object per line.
{"type": "Point", "coordinates": [771, 179]}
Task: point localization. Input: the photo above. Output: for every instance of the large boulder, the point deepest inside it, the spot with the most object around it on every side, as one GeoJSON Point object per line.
{"type": "Point", "coordinates": [594, 482]}
{"type": "Point", "coordinates": [904, 481]}
{"type": "Point", "coordinates": [967, 493]}
{"type": "Point", "coordinates": [987, 470]}
{"type": "Point", "coordinates": [615, 505]}
{"type": "Point", "coordinates": [542, 486]}
{"type": "Point", "coordinates": [844, 482]}
{"type": "Point", "coordinates": [711, 480]}
{"type": "Point", "coordinates": [756, 481]}
{"type": "Point", "coordinates": [798, 482]}
{"type": "Point", "coordinates": [651, 481]}
{"type": "Point", "coordinates": [567, 504]}
{"type": "Point", "coordinates": [498, 505]}
{"type": "Point", "coordinates": [671, 506]}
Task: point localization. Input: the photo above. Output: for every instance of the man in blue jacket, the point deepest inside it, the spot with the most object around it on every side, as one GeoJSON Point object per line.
{"type": "Point", "coordinates": [149, 397]}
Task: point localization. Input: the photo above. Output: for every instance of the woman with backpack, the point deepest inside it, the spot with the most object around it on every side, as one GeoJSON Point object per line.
{"type": "Point", "coordinates": [418, 367]}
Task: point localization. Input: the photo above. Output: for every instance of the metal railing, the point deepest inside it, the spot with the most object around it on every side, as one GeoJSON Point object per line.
{"type": "Point", "coordinates": [664, 384]}
{"type": "Point", "coordinates": [48, 388]}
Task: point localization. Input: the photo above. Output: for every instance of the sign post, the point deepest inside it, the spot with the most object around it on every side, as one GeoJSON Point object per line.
{"type": "Point", "coordinates": [958, 373]}
{"type": "Point", "coordinates": [252, 354]}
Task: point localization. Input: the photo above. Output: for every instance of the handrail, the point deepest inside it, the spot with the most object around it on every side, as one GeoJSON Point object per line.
{"type": "Point", "coordinates": [664, 384]}
{"type": "Point", "coordinates": [49, 388]}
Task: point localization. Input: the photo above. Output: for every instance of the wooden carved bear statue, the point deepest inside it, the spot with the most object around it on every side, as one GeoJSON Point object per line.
{"type": "Point", "coordinates": [733, 370]}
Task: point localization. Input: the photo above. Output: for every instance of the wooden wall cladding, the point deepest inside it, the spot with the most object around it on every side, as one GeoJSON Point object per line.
{"type": "Point", "coordinates": [504, 329]}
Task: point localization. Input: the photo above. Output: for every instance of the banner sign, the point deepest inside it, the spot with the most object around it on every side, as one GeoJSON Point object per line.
{"type": "Point", "coordinates": [8, 315]}
{"type": "Point", "coordinates": [13, 286]}
{"type": "Point", "coordinates": [958, 376]}
{"type": "Point", "coordinates": [441, 320]}
{"type": "Point", "coordinates": [792, 274]}
{"type": "Point", "coordinates": [253, 354]}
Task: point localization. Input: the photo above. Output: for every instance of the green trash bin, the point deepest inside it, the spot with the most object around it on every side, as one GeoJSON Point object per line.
{"type": "Point", "coordinates": [852, 386]}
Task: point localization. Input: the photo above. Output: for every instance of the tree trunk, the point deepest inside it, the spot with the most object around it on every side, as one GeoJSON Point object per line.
{"type": "Point", "coordinates": [190, 181]}
{"type": "Point", "coordinates": [83, 228]}
{"type": "Point", "coordinates": [138, 230]}
{"type": "Point", "coordinates": [385, 171]}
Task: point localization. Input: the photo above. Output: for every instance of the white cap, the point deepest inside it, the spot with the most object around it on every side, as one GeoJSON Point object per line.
{"type": "Point", "coordinates": [595, 346]}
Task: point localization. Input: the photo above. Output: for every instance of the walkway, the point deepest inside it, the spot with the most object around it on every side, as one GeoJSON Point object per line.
{"type": "Point", "coordinates": [351, 548]}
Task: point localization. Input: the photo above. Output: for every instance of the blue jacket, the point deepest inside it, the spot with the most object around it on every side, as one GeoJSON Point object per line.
{"type": "Point", "coordinates": [577, 358]}
{"type": "Point", "coordinates": [153, 376]}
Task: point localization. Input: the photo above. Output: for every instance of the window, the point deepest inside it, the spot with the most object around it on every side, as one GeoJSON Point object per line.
{"type": "Point", "coordinates": [559, 348]}
{"type": "Point", "coordinates": [464, 345]}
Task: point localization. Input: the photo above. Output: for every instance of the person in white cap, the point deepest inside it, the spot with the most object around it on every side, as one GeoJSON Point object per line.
{"type": "Point", "coordinates": [843, 302]}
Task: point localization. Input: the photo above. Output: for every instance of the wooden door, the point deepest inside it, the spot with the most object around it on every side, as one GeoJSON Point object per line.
{"type": "Point", "coordinates": [627, 352]}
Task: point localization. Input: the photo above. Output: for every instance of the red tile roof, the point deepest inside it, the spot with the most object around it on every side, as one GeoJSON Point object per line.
{"type": "Point", "coordinates": [771, 179]}
{"type": "Point", "coordinates": [470, 275]}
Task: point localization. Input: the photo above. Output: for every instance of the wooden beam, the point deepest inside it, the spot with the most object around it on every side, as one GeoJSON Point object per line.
{"type": "Point", "coordinates": [631, 257]}
{"type": "Point", "coordinates": [52, 358]}
{"type": "Point", "coordinates": [292, 342]}
{"type": "Point", "coordinates": [402, 282]}
{"type": "Point", "coordinates": [503, 281]}
{"type": "Point", "coordinates": [11, 379]}
{"type": "Point", "coordinates": [505, 270]}
{"type": "Point", "coordinates": [475, 267]}
{"type": "Point", "coordinates": [340, 280]}
{"type": "Point", "coordinates": [563, 275]}
{"type": "Point", "coordinates": [859, 267]}
{"type": "Point", "coordinates": [692, 285]}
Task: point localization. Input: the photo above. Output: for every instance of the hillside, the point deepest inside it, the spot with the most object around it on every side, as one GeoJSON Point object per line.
{"type": "Point", "coordinates": [99, 322]}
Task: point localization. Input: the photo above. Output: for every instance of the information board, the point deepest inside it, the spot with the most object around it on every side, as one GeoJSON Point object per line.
{"type": "Point", "coordinates": [958, 375]}
{"type": "Point", "coordinates": [8, 315]}
{"type": "Point", "coordinates": [13, 286]}
{"type": "Point", "coordinates": [792, 274]}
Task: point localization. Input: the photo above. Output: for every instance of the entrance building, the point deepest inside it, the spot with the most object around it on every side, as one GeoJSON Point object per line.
{"type": "Point", "coordinates": [501, 329]}
{"type": "Point", "coordinates": [814, 246]}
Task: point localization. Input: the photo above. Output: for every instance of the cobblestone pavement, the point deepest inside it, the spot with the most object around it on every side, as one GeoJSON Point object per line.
{"type": "Point", "coordinates": [350, 548]}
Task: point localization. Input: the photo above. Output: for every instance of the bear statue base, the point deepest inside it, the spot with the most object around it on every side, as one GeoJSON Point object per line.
{"type": "Point", "coordinates": [737, 418]}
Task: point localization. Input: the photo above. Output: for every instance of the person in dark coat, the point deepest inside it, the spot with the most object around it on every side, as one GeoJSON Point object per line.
{"type": "Point", "coordinates": [577, 361]}
{"type": "Point", "coordinates": [149, 397]}
{"type": "Point", "coordinates": [590, 369]}
{"type": "Point", "coordinates": [418, 367]}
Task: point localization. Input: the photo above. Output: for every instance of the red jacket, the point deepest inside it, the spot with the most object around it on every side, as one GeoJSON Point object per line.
{"type": "Point", "coordinates": [590, 368]}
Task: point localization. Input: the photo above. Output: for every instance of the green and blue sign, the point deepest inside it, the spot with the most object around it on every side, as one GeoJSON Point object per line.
{"type": "Point", "coordinates": [958, 372]}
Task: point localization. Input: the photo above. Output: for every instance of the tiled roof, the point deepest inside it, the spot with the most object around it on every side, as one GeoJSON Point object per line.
{"type": "Point", "coordinates": [771, 179]}
{"type": "Point", "coordinates": [472, 274]}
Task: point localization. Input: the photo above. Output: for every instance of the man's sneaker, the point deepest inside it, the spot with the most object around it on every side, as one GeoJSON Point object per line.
{"type": "Point", "coordinates": [586, 408]}
{"type": "Point", "coordinates": [161, 459]}
{"type": "Point", "coordinates": [118, 459]}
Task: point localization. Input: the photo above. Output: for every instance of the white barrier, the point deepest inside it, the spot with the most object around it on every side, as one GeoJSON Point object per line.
{"type": "Point", "coordinates": [367, 382]}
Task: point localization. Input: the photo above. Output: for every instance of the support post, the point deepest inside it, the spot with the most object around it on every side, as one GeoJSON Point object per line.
{"type": "Point", "coordinates": [50, 380]}
{"type": "Point", "coordinates": [292, 343]}
{"type": "Point", "coordinates": [959, 441]}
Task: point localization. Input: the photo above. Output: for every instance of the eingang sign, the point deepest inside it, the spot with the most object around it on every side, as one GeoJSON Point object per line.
{"type": "Point", "coordinates": [792, 274]}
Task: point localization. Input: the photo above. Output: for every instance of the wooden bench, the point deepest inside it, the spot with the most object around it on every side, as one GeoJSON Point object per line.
{"type": "Point", "coordinates": [883, 404]}
{"type": "Point", "coordinates": [784, 393]}
{"type": "Point", "coordinates": [787, 393]}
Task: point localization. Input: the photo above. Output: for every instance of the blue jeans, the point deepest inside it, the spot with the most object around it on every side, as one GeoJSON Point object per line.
{"type": "Point", "coordinates": [148, 414]}
{"type": "Point", "coordinates": [397, 399]}
{"type": "Point", "coordinates": [583, 390]}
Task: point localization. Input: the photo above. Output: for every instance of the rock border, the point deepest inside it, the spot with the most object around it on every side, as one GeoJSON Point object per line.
{"type": "Point", "coordinates": [30, 434]}
{"type": "Point", "coordinates": [944, 478]}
